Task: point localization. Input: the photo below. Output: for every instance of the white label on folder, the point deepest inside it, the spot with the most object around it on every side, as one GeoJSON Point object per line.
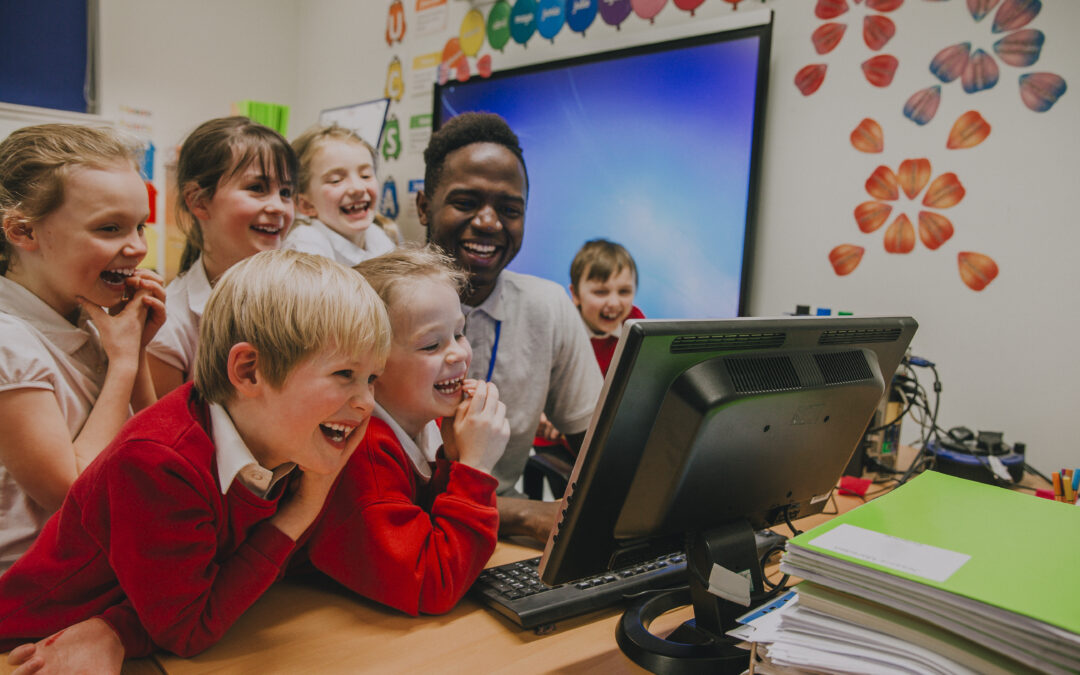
{"type": "Point", "coordinates": [923, 560]}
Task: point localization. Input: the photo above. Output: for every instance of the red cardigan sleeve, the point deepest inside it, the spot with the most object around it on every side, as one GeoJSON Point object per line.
{"type": "Point", "coordinates": [375, 539]}
{"type": "Point", "coordinates": [164, 523]}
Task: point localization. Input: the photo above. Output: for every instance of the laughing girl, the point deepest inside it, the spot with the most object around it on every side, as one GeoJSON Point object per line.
{"type": "Point", "coordinates": [75, 314]}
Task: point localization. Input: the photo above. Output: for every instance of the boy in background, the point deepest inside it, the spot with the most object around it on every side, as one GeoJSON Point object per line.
{"type": "Point", "coordinates": [603, 281]}
{"type": "Point", "coordinates": [202, 499]}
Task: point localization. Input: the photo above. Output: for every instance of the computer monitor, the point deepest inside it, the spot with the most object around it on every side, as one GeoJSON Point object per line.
{"type": "Point", "coordinates": [706, 431]}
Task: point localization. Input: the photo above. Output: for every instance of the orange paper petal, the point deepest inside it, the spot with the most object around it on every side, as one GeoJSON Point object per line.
{"type": "Point", "coordinates": [827, 36]}
{"type": "Point", "coordinates": [900, 237]}
{"type": "Point", "coordinates": [869, 216]}
{"type": "Point", "coordinates": [934, 229]}
{"type": "Point", "coordinates": [845, 258]}
{"type": "Point", "coordinates": [882, 184]}
{"type": "Point", "coordinates": [969, 130]}
{"type": "Point", "coordinates": [976, 270]}
{"type": "Point", "coordinates": [810, 77]}
{"type": "Point", "coordinates": [879, 70]}
{"type": "Point", "coordinates": [877, 30]}
{"type": "Point", "coordinates": [944, 192]}
{"type": "Point", "coordinates": [914, 174]}
{"type": "Point", "coordinates": [868, 136]}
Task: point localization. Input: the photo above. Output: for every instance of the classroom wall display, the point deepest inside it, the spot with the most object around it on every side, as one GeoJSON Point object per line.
{"type": "Point", "coordinates": [877, 30]}
{"type": "Point", "coordinates": [977, 70]}
{"type": "Point", "coordinates": [580, 14]}
{"type": "Point", "coordinates": [395, 23]}
{"type": "Point", "coordinates": [889, 189]}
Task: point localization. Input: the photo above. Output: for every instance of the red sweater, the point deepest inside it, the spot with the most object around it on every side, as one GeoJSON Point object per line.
{"type": "Point", "coordinates": [146, 541]}
{"type": "Point", "coordinates": [412, 546]}
{"type": "Point", "coordinates": [604, 347]}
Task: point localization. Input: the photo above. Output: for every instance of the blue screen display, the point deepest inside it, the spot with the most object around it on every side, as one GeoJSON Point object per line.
{"type": "Point", "coordinates": [651, 150]}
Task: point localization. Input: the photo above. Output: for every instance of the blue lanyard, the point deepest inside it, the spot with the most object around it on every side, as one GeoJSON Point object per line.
{"type": "Point", "coordinates": [494, 349]}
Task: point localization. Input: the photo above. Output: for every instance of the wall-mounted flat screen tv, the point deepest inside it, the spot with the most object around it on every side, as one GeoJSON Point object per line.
{"type": "Point", "coordinates": [656, 147]}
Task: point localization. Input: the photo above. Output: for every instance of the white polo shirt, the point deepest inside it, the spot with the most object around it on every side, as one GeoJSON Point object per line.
{"type": "Point", "coordinates": [185, 300]}
{"type": "Point", "coordinates": [319, 239]}
{"type": "Point", "coordinates": [39, 349]}
{"type": "Point", "coordinates": [234, 458]}
{"type": "Point", "coordinates": [543, 363]}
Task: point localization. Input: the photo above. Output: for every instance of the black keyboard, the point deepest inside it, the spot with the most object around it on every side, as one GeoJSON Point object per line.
{"type": "Point", "coordinates": [515, 589]}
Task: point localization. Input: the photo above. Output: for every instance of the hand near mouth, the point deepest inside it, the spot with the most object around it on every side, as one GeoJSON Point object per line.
{"type": "Point", "coordinates": [477, 433]}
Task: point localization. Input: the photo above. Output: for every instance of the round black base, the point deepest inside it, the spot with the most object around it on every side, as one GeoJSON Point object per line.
{"type": "Point", "coordinates": [687, 650]}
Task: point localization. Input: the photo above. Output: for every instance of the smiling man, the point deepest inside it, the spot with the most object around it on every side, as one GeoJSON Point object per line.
{"type": "Point", "coordinates": [525, 333]}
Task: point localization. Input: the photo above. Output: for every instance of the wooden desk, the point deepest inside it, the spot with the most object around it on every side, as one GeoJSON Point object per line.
{"type": "Point", "coordinates": [322, 628]}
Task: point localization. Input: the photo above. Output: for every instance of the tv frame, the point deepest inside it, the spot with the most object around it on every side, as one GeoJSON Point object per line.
{"type": "Point", "coordinates": [759, 27]}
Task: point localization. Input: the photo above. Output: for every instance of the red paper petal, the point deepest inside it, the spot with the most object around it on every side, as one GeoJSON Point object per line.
{"type": "Point", "coordinates": [976, 270]}
{"type": "Point", "coordinates": [969, 130]}
{"type": "Point", "coordinates": [845, 258]}
{"type": "Point", "coordinates": [882, 184]}
{"type": "Point", "coordinates": [879, 70]}
{"type": "Point", "coordinates": [830, 9]}
{"type": "Point", "coordinates": [868, 136]}
{"type": "Point", "coordinates": [900, 237]}
{"type": "Point", "coordinates": [934, 229]}
{"type": "Point", "coordinates": [810, 77]}
{"type": "Point", "coordinates": [913, 176]}
{"type": "Point", "coordinates": [827, 36]}
{"type": "Point", "coordinates": [877, 31]}
{"type": "Point", "coordinates": [883, 5]}
{"type": "Point", "coordinates": [869, 216]}
{"type": "Point", "coordinates": [944, 192]}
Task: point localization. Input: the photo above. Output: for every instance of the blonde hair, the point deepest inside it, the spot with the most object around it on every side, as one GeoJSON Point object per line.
{"type": "Point", "coordinates": [288, 305]}
{"type": "Point", "coordinates": [600, 258]}
{"type": "Point", "coordinates": [307, 144]}
{"type": "Point", "coordinates": [35, 160]}
{"type": "Point", "coordinates": [217, 150]}
{"type": "Point", "coordinates": [387, 272]}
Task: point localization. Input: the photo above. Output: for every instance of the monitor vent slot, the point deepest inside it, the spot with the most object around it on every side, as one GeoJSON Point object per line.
{"type": "Point", "coordinates": [841, 367]}
{"type": "Point", "coordinates": [859, 336]}
{"type": "Point", "coordinates": [687, 344]}
{"type": "Point", "coordinates": [751, 375]}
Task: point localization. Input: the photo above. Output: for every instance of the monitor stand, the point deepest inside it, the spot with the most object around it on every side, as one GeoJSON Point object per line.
{"type": "Point", "coordinates": [698, 645]}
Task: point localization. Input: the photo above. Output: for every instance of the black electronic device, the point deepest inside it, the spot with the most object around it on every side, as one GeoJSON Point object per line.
{"type": "Point", "coordinates": [983, 456]}
{"type": "Point", "coordinates": [706, 431]}
{"type": "Point", "coordinates": [515, 590]}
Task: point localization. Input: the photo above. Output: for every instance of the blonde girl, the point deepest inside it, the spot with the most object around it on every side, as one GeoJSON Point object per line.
{"type": "Point", "coordinates": [235, 182]}
{"type": "Point", "coordinates": [338, 194]}
{"type": "Point", "coordinates": [75, 313]}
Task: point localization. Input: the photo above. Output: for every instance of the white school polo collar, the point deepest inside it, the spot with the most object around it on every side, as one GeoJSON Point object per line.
{"type": "Point", "coordinates": [199, 287]}
{"type": "Point", "coordinates": [376, 242]}
{"type": "Point", "coordinates": [422, 449]}
{"type": "Point", "coordinates": [234, 458]}
{"type": "Point", "coordinates": [17, 300]}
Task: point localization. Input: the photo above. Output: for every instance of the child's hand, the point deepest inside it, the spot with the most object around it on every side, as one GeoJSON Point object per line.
{"type": "Point", "coordinates": [546, 430]}
{"type": "Point", "coordinates": [90, 646]}
{"type": "Point", "coordinates": [149, 289]}
{"type": "Point", "coordinates": [478, 433]}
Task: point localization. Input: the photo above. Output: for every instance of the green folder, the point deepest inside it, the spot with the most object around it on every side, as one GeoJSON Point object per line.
{"type": "Point", "coordinates": [1024, 551]}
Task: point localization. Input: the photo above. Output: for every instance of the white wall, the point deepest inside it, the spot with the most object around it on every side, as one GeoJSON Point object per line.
{"type": "Point", "coordinates": [1004, 354]}
{"type": "Point", "coordinates": [187, 61]}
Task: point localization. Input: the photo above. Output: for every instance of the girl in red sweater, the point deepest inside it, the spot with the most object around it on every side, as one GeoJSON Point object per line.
{"type": "Point", "coordinates": [426, 521]}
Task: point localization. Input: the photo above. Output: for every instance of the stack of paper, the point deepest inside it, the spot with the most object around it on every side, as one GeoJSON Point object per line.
{"type": "Point", "coordinates": [942, 574]}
